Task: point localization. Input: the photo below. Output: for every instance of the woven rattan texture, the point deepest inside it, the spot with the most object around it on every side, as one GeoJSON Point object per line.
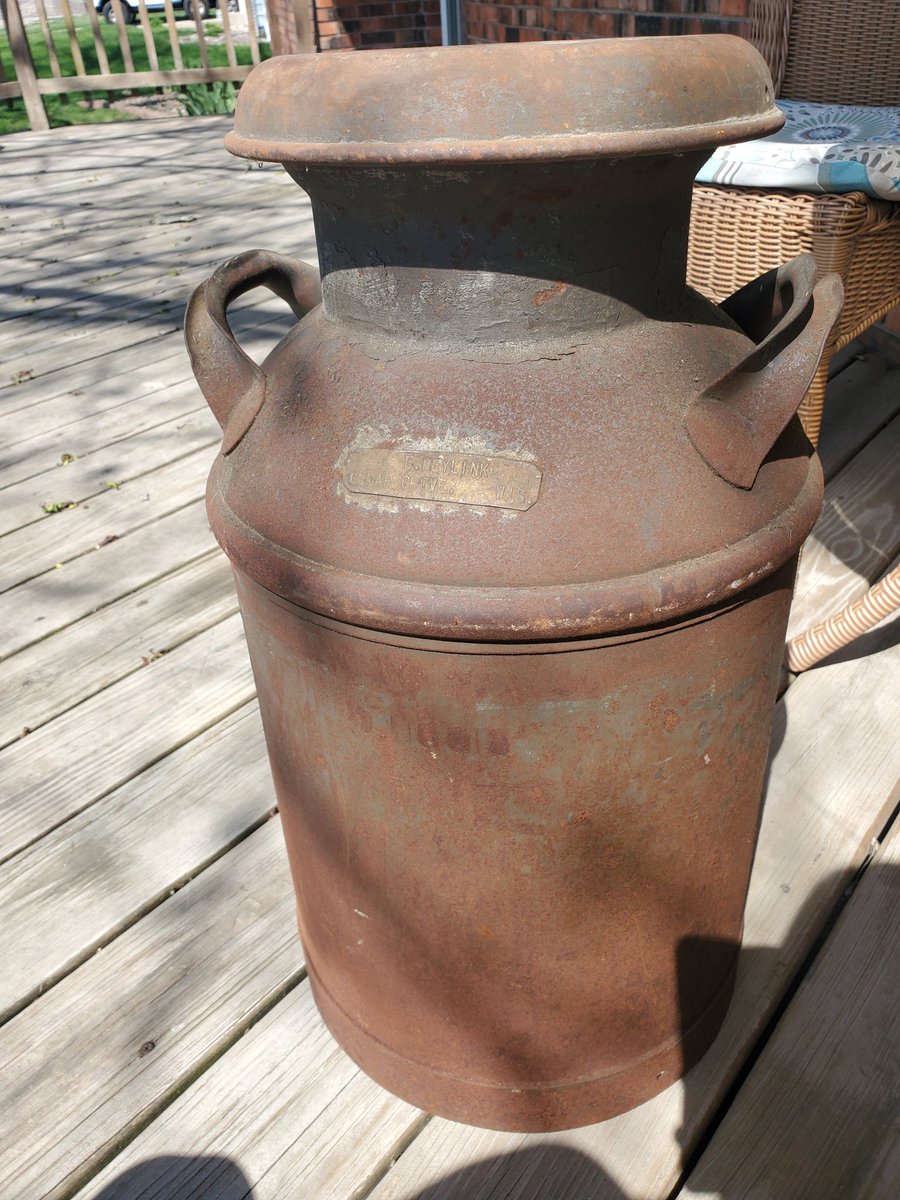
{"type": "Point", "coordinates": [830, 51]}
{"type": "Point", "coordinates": [769, 22]}
{"type": "Point", "coordinates": [843, 52]}
{"type": "Point", "coordinates": [737, 233]}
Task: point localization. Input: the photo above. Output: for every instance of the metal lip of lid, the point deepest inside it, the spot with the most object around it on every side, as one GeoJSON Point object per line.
{"type": "Point", "coordinates": [552, 101]}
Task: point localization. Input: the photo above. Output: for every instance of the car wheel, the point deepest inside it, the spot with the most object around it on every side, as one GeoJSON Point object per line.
{"type": "Point", "coordinates": [197, 8]}
{"type": "Point", "coordinates": [109, 13]}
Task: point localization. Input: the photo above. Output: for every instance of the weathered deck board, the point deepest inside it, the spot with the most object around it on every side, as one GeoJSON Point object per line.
{"type": "Point", "coordinates": [83, 147]}
{"type": "Point", "coordinates": [41, 281]}
{"type": "Point", "coordinates": [174, 264]}
{"type": "Point", "coordinates": [862, 399]}
{"type": "Point", "coordinates": [68, 764]}
{"type": "Point", "coordinates": [113, 512]}
{"type": "Point", "coordinates": [132, 148]}
{"type": "Point", "coordinates": [49, 377]}
{"type": "Point", "coordinates": [36, 437]}
{"type": "Point", "coordinates": [141, 284]}
{"type": "Point", "coordinates": [818, 823]}
{"type": "Point", "coordinates": [33, 198]}
{"type": "Point", "coordinates": [91, 475]}
{"type": "Point", "coordinates": [307, 1122]}
{"type": "Point", "coordinates": [73, 890]}
{"type": "Point", "coordinates": [130, 389]}
{"type": "Point", "coordinates": [50, 602]}
{"type": "Point", "coordinates": [112, 643]}
{"type": "Point", "coordinates": [43, 243]}
{"type": "Point", "coordinates": [857, 535]}
{"type": "Point", "coordinates": [151, 208]}
{"type": "Point", "coordinates": [185, 981]}
{"type": "Point", "coordinates": [820, 1113]}
{"type": "Point", "coordinates": [148, 899]}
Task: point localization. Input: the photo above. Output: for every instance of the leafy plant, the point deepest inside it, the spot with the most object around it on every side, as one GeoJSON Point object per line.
{"type": "Point", "coordinates": [209, 99]}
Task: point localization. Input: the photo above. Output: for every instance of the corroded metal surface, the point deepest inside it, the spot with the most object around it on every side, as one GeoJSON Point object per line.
{"type": "Point", "coordinates": [521, 876]}
{"type": "Point", "coordinates": [556, 100]}
{"type": "Point", "coordinates": [514, 516]}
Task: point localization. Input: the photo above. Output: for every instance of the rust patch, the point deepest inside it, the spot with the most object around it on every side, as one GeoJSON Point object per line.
{"type": "Point", "coordinates": [549, 293]}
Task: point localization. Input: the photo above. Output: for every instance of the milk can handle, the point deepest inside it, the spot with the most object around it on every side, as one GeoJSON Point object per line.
{"type": "Point", "coordinates": [737, 420]}
{"type": "Point", "coordinates": [233, 384]}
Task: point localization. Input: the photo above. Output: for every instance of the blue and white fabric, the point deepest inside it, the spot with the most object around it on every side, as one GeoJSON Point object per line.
{"type": "Point", "coordinates": [822, 148]}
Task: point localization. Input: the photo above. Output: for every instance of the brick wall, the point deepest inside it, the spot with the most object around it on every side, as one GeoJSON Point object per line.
{"type": "Point", "coordinates": [354, 25]}
{"type": "Point", "coordinates": [539, 20]}
{"type": "Point", "coordinates": [377, 24]}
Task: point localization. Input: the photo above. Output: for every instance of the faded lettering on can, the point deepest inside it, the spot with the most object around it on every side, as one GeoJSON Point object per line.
{"type": "Point", "coordinates": [463, 478]}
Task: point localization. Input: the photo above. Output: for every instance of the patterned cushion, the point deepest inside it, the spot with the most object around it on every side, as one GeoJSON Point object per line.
{"type": "Point", "coordinates": [822, 148]}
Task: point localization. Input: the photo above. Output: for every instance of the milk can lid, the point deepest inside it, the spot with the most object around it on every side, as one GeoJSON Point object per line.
{"type": "Point", "coordinates": [503, 103]}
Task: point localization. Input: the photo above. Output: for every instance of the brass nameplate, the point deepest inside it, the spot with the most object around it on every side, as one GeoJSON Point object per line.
{"type": "Point", "coordinates": [444, 476]}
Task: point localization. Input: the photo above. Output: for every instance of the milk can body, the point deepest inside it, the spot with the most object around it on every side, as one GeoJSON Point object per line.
{"type": "Point", "coordinates": [514, 517]}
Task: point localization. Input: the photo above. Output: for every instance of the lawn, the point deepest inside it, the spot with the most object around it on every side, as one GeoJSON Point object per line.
{"type": "Point", "coordinates": [70, 109]}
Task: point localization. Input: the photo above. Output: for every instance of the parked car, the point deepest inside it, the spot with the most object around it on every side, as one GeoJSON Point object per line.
{"type": "Point", "coordinates": [130, 11]}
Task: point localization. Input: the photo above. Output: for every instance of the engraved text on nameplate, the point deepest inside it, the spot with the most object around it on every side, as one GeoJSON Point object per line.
{"type": "Point", "coordinates": [443, 475]}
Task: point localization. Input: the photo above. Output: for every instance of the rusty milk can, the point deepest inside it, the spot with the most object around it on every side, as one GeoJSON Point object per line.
{"type": "Point", "coordinates": [514, 516]}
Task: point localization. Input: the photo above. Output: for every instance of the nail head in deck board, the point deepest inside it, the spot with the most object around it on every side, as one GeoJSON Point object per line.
{"type": "Point", "coordinates": [81, 884]}
{"type": "Point", "coordinates": [857, 535]}
{"type": "Point", "coordinates": [819, 1115]}
{"type": "Point", "coordinates": [186, 978]}
{"type": "Point", "coordinates": [36, 609]}
{"type": "Point", "coordinates": [112, 643]}
{"type": "Point", "coordinates": [818, 822]}
{"type": "Point", "coordinates": [66, 765]}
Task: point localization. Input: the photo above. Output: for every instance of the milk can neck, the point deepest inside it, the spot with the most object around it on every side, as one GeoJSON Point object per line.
{"type": "Point", "coordinates": [493, 254]}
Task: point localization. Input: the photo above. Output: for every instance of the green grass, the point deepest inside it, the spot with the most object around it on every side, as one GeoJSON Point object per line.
{"type": "Point", "coordinates": [65, 109]}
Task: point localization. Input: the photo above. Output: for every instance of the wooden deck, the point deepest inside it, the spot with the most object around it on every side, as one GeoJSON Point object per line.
{"type": "Point", "coordinates": [158, 1039]}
